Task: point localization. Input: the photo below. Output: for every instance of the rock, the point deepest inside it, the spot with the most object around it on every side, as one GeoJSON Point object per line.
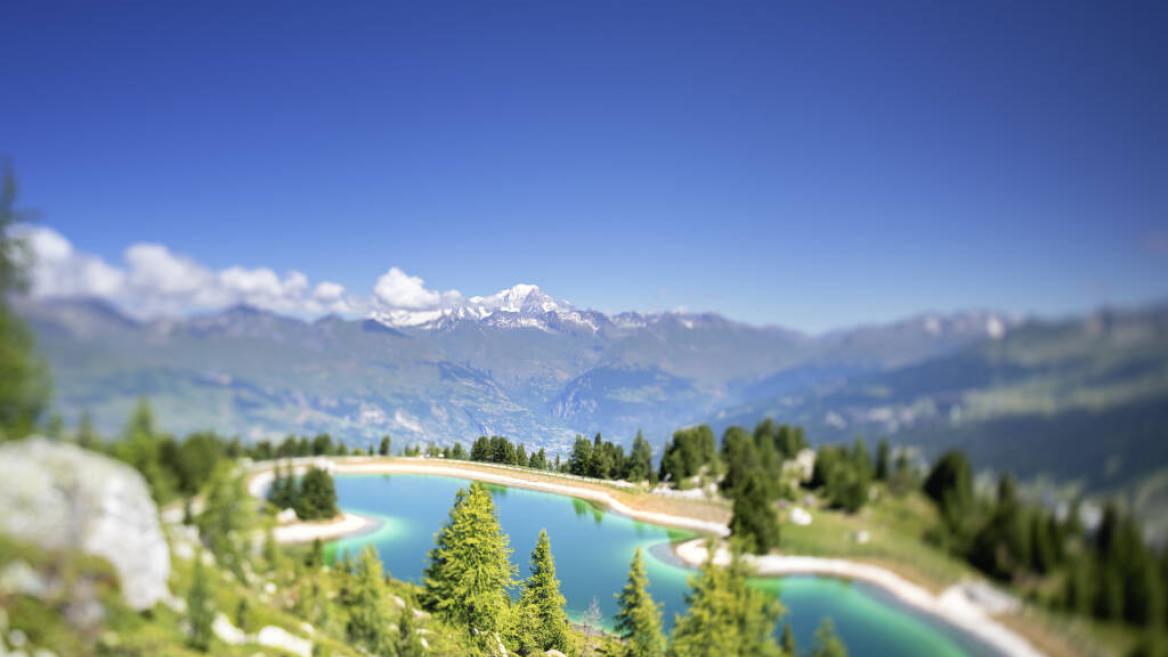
{"type": "Point", "coordinates": [800, 516]}
{"type": "Point", "coordinates": [60, 496]}
{"type": "Point", "coordinates": [277, 637]}
{"type": "Point", "coordinates": [227, 632]}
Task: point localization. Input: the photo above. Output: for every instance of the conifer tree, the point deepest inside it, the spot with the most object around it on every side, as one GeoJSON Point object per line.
{"type": "Point", "coordinates": [787, 641]}
{"type": "Point", "coordinates": [408, 643]}
{"type": "Point", "coordinates": [200, 614]}
{"type": "Point", "coordinates": [317, 495]}
{"type": "Point", "coordinates": [883, 459]}
{"type": "Point", "coordinates": [24, 381]}
{"type": "Point", "coordinates": [754, 519]}
{"type": "Point", "coordinates": [543, 625]}
{"type": "Point", "coordinates": [638, 621]}
{"type": "Point", "coordinates": [725, 616]}
{"type": "Point", "coordinates": [827, 644]}
{"type": "Point", "coordinates": [470, 568]}
{"type": "Point", "coordinates": [369, 623]}
{"type": "Point", "coordinates": [640, 463]}
{"type": "Point", "coordinates": [86, 435]}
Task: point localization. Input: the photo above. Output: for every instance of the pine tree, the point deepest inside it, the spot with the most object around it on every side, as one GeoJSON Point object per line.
{"type": "Point", "coordinates": [787, 641]}
{"type": "Point", "coordinates": [883, 460]}
{"type": "Point", "coordinates": [725, 616]}
{"type": "Point", "coordinates": [225, 517]}
{"type": "Point", "coordinates": [200, 614]}
{"type": "Point", "coordinates": [638, 621]}
{"type": "Point", "coordinates": [640, 462]}
{"type": "Point", "coordinates": [543, 623]}
{"type": "Point", "coordinates": [470, 568]}
{"type": "Point", "coordinates": [369, 622]}
{"type": "Point", "coordinates": [408, 642]}
{"type": "Point", "coordinates": [86, 435]}
{"type": "Point", "coordinates": [754, 519]}
{"type": "Point", "coordinates": [580, 462]}
{"type": "Point", "coordinates": [24, 382]}
{"type": "Point", "coordinates": [385, 446]}
{"type": "Point", "coordinates": [827, 644]}
{"type": "Point", "coordinates": [317, 496]}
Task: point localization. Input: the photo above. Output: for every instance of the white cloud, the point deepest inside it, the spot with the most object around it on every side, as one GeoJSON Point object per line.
{"type": "Point", "coordinates": [153, 281]}
{"type": "Point", "coordinates": [397, 289]}
{"type": "Point", "coordinates": [56, 269]}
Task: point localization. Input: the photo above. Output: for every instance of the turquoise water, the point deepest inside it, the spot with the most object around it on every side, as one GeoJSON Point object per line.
{"type": "Point", "coordinates": [593, 548]}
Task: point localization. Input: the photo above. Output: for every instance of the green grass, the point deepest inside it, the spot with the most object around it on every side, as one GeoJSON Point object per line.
{"type": "Point", "coordinates": [896, 529]}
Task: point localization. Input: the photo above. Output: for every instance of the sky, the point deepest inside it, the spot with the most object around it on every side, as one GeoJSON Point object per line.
{"type": "Point", "coordinates": [812, 165]}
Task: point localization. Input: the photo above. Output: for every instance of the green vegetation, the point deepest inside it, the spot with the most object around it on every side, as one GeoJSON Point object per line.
{"type": "Point", "coordinates": [726, 617]}
{"type": "Point", "coordinates": [24, 385]}
{"type": "Point", "coordinates": [638, 621]}
{"type": "Point", "coordinates": [199, 610]}
{"type": "Point", "coordinates": [543, 625]}
{"type": "Point", "coordinates": [313, 496]}
{"type": "Point", "coordinates": [827, 644]}
{"type": "Point", "coordinates": [470, 569]}
{"type": "Point", "coordinates": [689, 453]}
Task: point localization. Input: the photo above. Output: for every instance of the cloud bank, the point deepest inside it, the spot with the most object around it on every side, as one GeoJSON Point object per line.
{"type": "Point", "coordinates": [153, 281]}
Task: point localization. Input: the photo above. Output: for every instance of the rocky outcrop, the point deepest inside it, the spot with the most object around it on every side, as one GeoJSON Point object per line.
{"type": "Point", "coordinates": [60, 496]}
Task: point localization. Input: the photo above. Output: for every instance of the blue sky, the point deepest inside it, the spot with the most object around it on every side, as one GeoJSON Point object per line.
{"type": "Point", "coordinates": [794, 163]}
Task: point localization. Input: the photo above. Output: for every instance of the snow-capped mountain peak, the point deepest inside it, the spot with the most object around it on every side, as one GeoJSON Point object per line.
{"type": "Point", "coordinates": [519, 306]}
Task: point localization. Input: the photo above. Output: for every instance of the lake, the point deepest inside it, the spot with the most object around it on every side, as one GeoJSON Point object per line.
{"type": "Point", "coordinates": [593, 547]}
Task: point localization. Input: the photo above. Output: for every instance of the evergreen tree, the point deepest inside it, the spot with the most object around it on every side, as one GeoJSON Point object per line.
{"type": "Point", "coordinates": [470, 569]}
{"type": "Point", "coordinates": [24, 381]}
{"type": "Point", "coordinates": [883, 460]}
{"type": "Point", "coordinates": [827, 644]}
{"type": "Point", "coordinates": [543, 623]}
{"type": "Point", "coordinates": [754, 519]}
{"type": "Point", "coordinates": [86, 435]}
{"type": "Point", "coordinates": [580, 462]}
{"type": "Point", "coordinates": [521, 455]}
{"type": "Point", "coordinates": [369, 624]}
{"type": "Point", "coordinates": [950, 486]}
{"type": "Point", "coordinates": [640, 462]}
{"type": "Point", "coordinates": [317, 496]}
{"type": "Point", "coordinates": [725, 616]}
{"type": "Point", "coordinates": [200, 613]}
{"type": "Point", "coordinates": [408, 643]}
{"type": "Point", "coordinates": [386, 445]}
{"type": "Point", "coordinates": [739, 457]}
{"type": "Point", "coordinates": [787, 641]}
{"type": "Point", "coordinates": [481, 449]}
{"type": "Point", "coordinates": [638, 620]}
{"type": "Point", "coordinates": [459, 452]}
{"type": "Point", "coordinates": [225, 518]}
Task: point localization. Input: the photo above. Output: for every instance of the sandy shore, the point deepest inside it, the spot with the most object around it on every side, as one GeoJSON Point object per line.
{"type": "Point", "coordinates": [262, 479]}
{"type": "Point", "coordinates": [954, 605]}
{"type": "Point", "coordinates": [347, 524]}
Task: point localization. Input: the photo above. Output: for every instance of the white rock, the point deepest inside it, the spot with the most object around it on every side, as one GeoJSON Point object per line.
{"type": "Point", "coordinates": [227, 632]}
{"type": "Point", "coordinates": [60, 496]}
{"type": "Point", "coordinates": [800, 516]}
{"type": "Point", "coordinates": [277, 637]}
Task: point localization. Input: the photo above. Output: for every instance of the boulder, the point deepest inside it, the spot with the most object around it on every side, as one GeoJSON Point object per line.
{"type": "Point", "coordinates": [62, 497]}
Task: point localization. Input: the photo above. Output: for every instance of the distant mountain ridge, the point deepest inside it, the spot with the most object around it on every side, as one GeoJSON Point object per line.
{"type": "Point", "coordinates": [526, 365]}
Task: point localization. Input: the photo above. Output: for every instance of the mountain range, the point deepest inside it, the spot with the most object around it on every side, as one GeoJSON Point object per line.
{"type": "Point", "coordinates": [523, 364]}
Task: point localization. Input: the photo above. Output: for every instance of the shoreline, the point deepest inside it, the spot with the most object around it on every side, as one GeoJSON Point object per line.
{"type": "Point", "coordinates": [952, 606]}
{"type": "Point", "coordinates": [343, 526]}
